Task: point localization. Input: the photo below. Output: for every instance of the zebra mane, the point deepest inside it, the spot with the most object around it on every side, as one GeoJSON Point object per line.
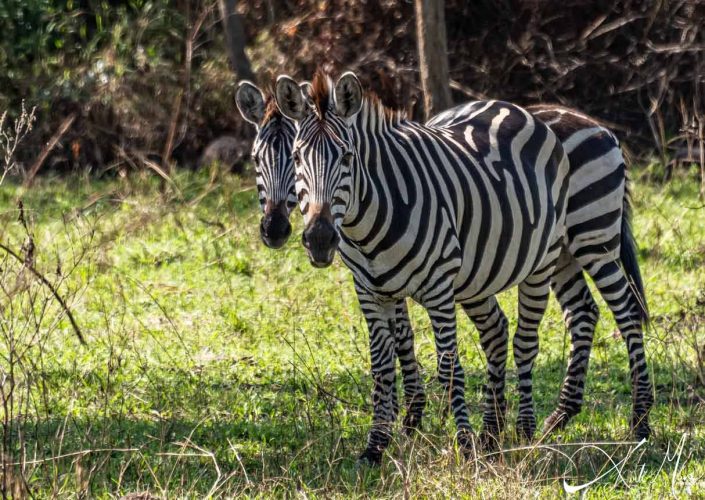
{"type": "Point", "coordinates": [375, 104]}
{"type": "Point", "coordinates": [271, 110]}
{"type": "Point", "coordinates": [322, 89]}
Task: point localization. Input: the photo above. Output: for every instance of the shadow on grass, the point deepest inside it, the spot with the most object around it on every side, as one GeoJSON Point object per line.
{"type": "Point", "coordinates": [190, 430]}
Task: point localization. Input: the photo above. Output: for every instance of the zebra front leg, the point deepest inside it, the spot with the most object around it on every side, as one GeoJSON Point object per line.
{"type": "Point", "coordinates": [441, 310]}
{"type": "Point", "coordinates": [380, 317]}
{"type": "Point", "coordinates": [580, 314]}
{"type": "Point", "coordinates": [414, 395]}
{"type": "Point", "coordinates": [533, 298]}
{"type": "Point", "coordinates": [492, 326]}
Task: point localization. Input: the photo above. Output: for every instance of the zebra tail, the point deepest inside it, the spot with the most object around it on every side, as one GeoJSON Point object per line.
{"type": "Point", "coordinates": [628, 257]}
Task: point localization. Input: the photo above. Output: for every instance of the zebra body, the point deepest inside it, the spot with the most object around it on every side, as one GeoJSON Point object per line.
{"type": "Point", "coordinates": [451, 188]}
{"type": "Point", "coordinates": [437, 214]}
{"type": "Point", "coordinates": [600, 243]}
{"type": "Point", "coordinates": [597, 192]}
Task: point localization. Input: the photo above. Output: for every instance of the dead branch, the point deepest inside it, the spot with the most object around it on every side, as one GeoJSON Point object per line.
{"type": "Point", "coordinates": [186, 85]}
{"type": "Point", "coordinates": [63, 128]}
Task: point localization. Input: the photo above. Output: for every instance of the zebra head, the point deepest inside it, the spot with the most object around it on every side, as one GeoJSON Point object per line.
{"type": "Point", "coordinates": [271, 153]}
{"type": "Point", "coordinates": [324, 152]}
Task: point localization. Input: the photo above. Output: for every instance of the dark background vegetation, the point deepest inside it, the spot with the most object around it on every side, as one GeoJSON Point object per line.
{"type": "Point", "coordinates": [120, 73]}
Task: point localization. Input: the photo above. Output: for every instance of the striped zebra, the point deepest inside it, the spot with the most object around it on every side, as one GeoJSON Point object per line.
{"type": "Point", "coordinates": [274, 166]}
{"type": "Point", "coordinates": [439, 214]}
{"type": "Point", "coordinates": [271, 154]}
{"type": "Point", "coordinates": [597, 193]}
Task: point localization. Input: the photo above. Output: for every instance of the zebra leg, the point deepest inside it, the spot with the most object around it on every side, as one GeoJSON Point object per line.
{"type": "Point", "coordinates": [414, 394]}
{"type": "Point", "coordinates": [492, 325]}
{"type": "Point", "coordinates": [624, 304]}
{"type": "Point", "coordinates": [580, 314]}
{"type": "Point", "coordinates": [533, 299]}
{"type": "Point", "coordinates": [380, 317]}
{"type": "Point", "coordinates": [441, 310]}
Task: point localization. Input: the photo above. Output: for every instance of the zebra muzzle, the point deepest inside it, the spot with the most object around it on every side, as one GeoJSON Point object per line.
{"type": "Point", "coordinates": [274, 227]}
{"type": "Point", "coordinates": [320, 240]}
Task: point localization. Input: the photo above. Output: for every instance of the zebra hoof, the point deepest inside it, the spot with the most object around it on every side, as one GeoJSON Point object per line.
{"type": "Point", "coordinates": [555, 421]}
{"type": "Point", "coordinates": [467, 444]}
{"type": "Point", "coordinates": [370, 458]}
{"type": "Point", "coordinates": [640, 427]}
{"type": "Point", "coordinates": [526, 428]}
{"type": "Point", "coordinates": [489, 441]}
{"type": "Point", "coordinates": [411, 424]}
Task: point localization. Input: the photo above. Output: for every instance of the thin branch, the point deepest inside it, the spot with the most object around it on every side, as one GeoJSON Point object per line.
{"type": "Point", "coordinates": [51, 288]}
{"type": "Point", "coordinates": [63, 128]}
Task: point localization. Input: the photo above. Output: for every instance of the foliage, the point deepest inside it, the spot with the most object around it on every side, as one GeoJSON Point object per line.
{"type": "Point", "coordinates": [121, 65]}
{"type": "Point", "coordinates": [65, 48]}
{"type": "Point", "coordinates": [117, 64]}
{"type": "Point", "coordinates": [215, 365]}
{"type": "Point", "coordinates": [637, 64]}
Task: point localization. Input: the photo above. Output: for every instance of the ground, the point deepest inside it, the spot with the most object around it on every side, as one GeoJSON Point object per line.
{"type": "Point", "coordinates": [215, 366]}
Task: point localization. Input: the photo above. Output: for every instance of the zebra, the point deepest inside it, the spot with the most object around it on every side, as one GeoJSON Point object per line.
{"type": "Point", "coordinates": [428, 213]}
{"type": "Point", "coordinates": [271, 154]}
{"type": "Point", "coordinates": [597, 186]}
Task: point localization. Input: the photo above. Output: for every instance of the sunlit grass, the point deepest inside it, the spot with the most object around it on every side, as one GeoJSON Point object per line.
{"type": "Point", "coordinates": [215, 365]}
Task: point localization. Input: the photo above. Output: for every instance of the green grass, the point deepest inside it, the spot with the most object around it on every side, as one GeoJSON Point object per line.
{"type": "Point", "coordinates": [217, 366]}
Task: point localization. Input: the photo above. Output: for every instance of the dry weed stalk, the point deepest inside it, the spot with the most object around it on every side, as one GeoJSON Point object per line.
{"type": "Point", "coordinates": [30, 316]}
{"type": "Point", "coordinates": [11, 135]}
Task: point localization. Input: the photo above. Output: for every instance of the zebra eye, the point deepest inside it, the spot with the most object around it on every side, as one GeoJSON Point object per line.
{"type": "Point", "coordinates": [255, 159]}
{"type": "Point", "coordinates": [347, 159]}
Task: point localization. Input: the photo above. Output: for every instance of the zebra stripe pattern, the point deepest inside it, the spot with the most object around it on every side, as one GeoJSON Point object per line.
{"type": "Point", "coordinates": [600, 243]}
{"type": "Point", "coordinates": [427, 213]}
{"type": "Point", "coordinates": [597, 195]}
{"type": "Point", "coordinates": [271, 154]}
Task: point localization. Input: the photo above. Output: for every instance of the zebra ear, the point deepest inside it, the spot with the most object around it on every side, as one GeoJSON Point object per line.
{"type": "Point", "coordinates": [250, 102]}
{"type": "Point", "coordinates": [307, 90]}
{"type": "Point", "coordinates": [290, 98]}
{"type": "Point", "coordinates": [348, 95]}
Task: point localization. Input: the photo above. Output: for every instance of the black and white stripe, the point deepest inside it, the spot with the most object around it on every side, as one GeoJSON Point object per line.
{"type": "Point", "coordinates": [601, 244]}
{"type": "Point", "coordinates": [597, 219]}
{"type": "Point", "coordinates": [439, 214]}
{"type": "Point", "coordinates": [271, 153]}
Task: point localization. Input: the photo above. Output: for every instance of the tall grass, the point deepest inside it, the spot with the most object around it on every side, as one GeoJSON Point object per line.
{"type": "Point", "coordinates": [217, 367]}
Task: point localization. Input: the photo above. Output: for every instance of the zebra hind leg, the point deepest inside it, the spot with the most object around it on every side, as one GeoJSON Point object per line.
{"type": "Point", "coordinates": [580, 314]}
{"type": "Point", "coordinates": [533, 299]}
{"type": "Point", "coordinates": [624, 302]}
{"type": "Point", "coordinates": [414, 395]}
{"type": "Point", "coordinates": [491, 323]}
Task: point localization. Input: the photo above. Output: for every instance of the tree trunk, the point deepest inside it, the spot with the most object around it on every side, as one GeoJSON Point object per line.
{"type": "Point", "coordinates": [235, 40]}
{"type": "Point", "coordinates": [433, 55]}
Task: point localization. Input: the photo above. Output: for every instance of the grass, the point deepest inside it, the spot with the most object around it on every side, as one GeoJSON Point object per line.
{"type": "Point", "coordinates": [215, 366]}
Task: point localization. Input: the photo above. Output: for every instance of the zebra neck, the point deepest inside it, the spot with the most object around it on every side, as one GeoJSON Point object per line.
{"type": "Point", "coordinates": [377, 176]}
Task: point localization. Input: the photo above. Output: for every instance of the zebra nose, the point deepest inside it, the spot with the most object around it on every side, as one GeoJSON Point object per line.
{"type": "Point", "coordinates": [320, 234]}
{"type": "Point", "coordinates": [275, 228]}
{"type": "Point", "coordinates": [320, 239]}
